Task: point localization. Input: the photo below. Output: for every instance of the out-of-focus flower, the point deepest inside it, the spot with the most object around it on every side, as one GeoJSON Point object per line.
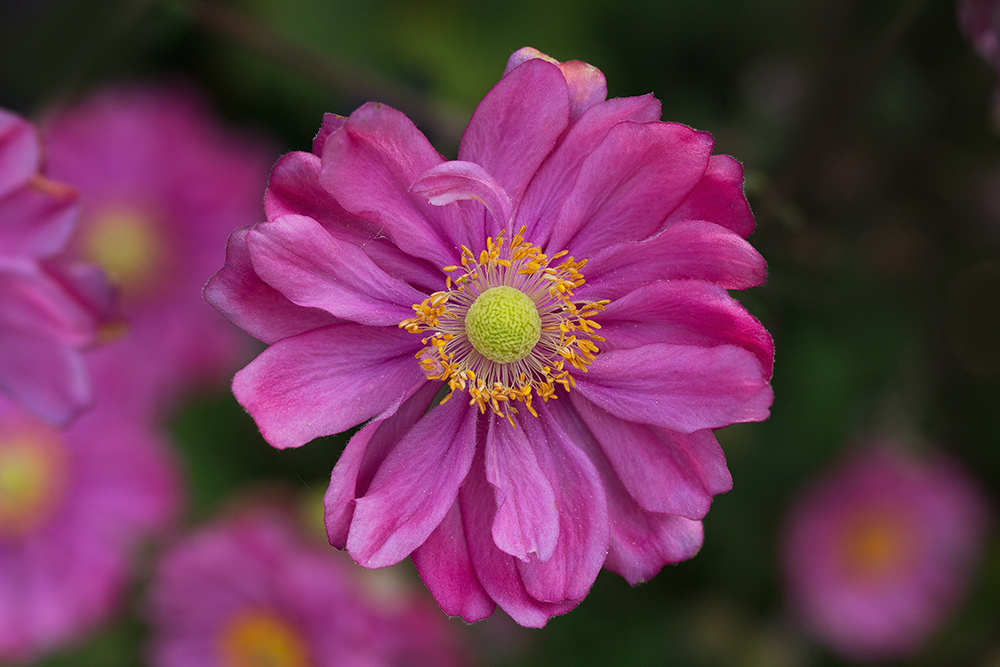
{"type": "Point", "coordinates": [980, 21]}
{"type": "Point", "coordinates": [387, 278]}
{"type": "Point", "coordinates": [878, 552]}
{"type": "Point", "coordinates": [161, 186]}
{"type": "Point", "coordinates": [73, 505]}
{"type": "Point", "coordinates": [49, 309]}
{"type": "Point", "coordinates": [250, 591]}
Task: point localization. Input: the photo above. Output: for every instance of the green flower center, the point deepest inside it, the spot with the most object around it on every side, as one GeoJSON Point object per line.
{"type": "Point", "coordinates": [503, 324]}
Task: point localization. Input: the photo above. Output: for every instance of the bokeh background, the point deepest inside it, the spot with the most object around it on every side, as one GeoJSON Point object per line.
{"type": "Point", "coordinates": [872, 160]}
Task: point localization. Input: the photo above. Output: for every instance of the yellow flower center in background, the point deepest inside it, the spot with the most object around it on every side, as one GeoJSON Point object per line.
{"type": "Point", "coordinates": [261, 639]}
{"type": "Point", "coordinates": [126, 243]}
{"type": "Point", "coordinates": [876, 544]}
{"type": "Point", "coordinates": [32, 471]}
{"type": "Point", "coordinates": [506, 328]}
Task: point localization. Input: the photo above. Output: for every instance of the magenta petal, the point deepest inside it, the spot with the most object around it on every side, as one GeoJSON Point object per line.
{"type": "Point", "coordinates": [587, 85]}
{"type": "Point", "coordinates": [456, 180]}
{"type": "Point", "coordinates": [253, 305]}
{"type": "Point", "coordinates": [369, 165]}
{"type": "Point", "coordinates": [445, 568]}
{"type": "Point", "coordinates": [664, 471]}
{"type": "Point", "coordinates": [643, 542]}
{"type": "Point", "coordinates": [327, 380]}
{"type": "Point", "coordinates": [516, 125]}
{"type": "Point", "coordinates": [38, 302]}
{"type": "Point", "coordinates": [18, 152]}
{"type": "Point", "coordinates": [297, 257]}
{"type": "Point", "coordinates": [48, 378]}
{"type": "Point", "coordinates": [415, 486]}
{"type": "Point", "coordinates": [361, 458]}
{"type": "Point", "coordinates": [628, 185]}
{"type": "Point", "coordinates": [693, 249]}
{"type": "Point", "coordinates": [718, 198]}
{"type": "Point", "coordinates": [683, 388]}
{"type": "Point", "coordinates": [497, 571]}
{"type": "Point", "coordinates": [527, 518]}
{"type": "Point", "coordinates": [331, 123]}
{"type": "Point", "coordinates": [37, 220]}
{"type": "Point", "coordinates": [555, 178]}
{"type": "Point", "coordinates": [684, 312]}
{"type": "Point", "coordinates": [583, 514]}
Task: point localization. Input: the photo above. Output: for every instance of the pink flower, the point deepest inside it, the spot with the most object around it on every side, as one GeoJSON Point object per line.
{"type": "Point", "coordinates": [161, 186]}
{"type": "Point", "coordinates": [248, 590]}
{"type": "Point", "coordinates": [980, 21]}
{"type": "Point", "coordinates": [576, 426]}
{"type": "Point", "coordinates": [73, 505]}
{"type": "Point", "coordinates": [49, 309]}
{"type": "Point", "coordinates": [878, 552]}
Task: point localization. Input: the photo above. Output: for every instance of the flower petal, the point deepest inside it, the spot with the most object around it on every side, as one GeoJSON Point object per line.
{"type": "Point", "coordinates": [369, 165]}
{"type": "Point", "coordinates": [414, 487]}
{"type": "Point", "coordinates": [684, 312]}
{"type": "Point", "coordinates": [664, 471]}
{"type": "Point", "coordinates": [49, 378]}
{"type": "Point", "coordinates": [253, 305]}
{"type": "Point", "coordinates": [297, 257]}
{"type": "Point", "coordinates": [456, 180]}
{"type": "Point", "coordinates": [331, 123]}
{"type": "Point", "coordinates": [555, 178]}
{"type": "Point", "coordinates": [19, 154]}
{"type": "Point", "coordinates": [583, 514]}
{"type": "Point", "coordinates": [362, 457]}
{"type": "Point", "coordinates": [628, 185]}
{"type": "Point", "coordinates": [587, 85]}
{"type": "Point", "coordinates": [38, 219]}
{"type": "Point", "coordinates": [527, 518]}
{"type": "Point", "coordinates": [445, 568]}
{"type": "Point", "coordinates": [691, 249]}
{"type": "Point", "coordinates": [517, 124]}
{"type": "Point", "coordinates": [37, 302]}
{"type": "Point", "coordinates": [681, 387]}
{"type": "Point", "coordinates": [327, 380]}
{"type": "Point", "coordinates": [295, 188]}
{"type": "Point", "coordinates": [718, 198]}
{"type": "Point", "coordinates": [497, 571]}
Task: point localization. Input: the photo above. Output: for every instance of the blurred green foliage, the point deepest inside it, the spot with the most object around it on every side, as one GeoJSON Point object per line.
{"type": "Point", "coordinates": [865, 130]}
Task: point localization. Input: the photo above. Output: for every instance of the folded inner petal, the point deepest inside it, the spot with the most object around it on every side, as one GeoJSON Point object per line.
{"type": "Point", "coordinates": [718, 198]}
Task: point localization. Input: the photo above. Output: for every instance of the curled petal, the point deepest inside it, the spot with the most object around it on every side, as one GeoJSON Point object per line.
{"type": "Point", "coordinates": [327, 380]}
{"type": "Point", "coordinates": [456, 180]}
{"type": "Point", "coordinates": [718, 198]}
{"type": "Point", "coordinates": [414, 487]}
{"type": "Point", "coordinates": [587, 85]}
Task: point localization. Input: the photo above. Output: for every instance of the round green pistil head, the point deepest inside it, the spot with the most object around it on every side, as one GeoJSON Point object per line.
{"type": "Point", "coordinates": [503, 324]}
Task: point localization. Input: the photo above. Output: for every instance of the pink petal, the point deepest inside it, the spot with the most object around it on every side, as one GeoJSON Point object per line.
{"type": "Point", "coordinates": [297, 257]}
{"type": "Point", "coordinates": [327, 380]}
{"type": "Point", "coordinates": [497, 571]}
{"type": "Point", "coordinates": [48, 378]}
{"type": "Point", "coordinates": [587, 85]}
{"type": "Point", "coordinates": [369, 166]}
{"type": "Point", "coordinates": [693, 249]}
{"type": "Point", "coordinates": [18, 152]}
{"type": "Point", "coordinates": [414, 487]}
{"type": "Point", "coordinates": [628, 185]}
{"type": "Point", "coordinates": [684, 312]}
{"type": "Point", "coordinates": [37, 219]}
{"type": "Point", "coordinates": [517, 124]}
{"type": "Point", "coordinates": [527, 518]}
{"type": "Point", "coordinates": [362, 457]}
{"type": "Point", "coordinates": [295, 189]}
{"type": "Point", "coordinates": [664, 471]}
{"type": "Point", "coordinates": [456, 180]}
{"type": "Point", "coordinates": [253, 305]}
{"type": "Point", "coordinates": [37, 302]}
{"type": "Point", "coordinates": [555, 178]}
{"type": "Point", "coordinates": [718, 198]}
{"type": "Point", "coordinates": [583, 514]}
{"type": "Point", "coordinates": [680, 387]}
{"type": "Point", "coordinates": [331, 123]}
{"type": "Point", "coordinates": [445, 568]}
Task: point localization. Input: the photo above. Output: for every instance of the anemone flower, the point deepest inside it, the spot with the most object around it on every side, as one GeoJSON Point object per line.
{"type": "Point", "coordinates": [248, 590]}
{"type": "Point", "coordinates": [526, 425]}
{"type": "Point", "coordinates": [879, 551]}
{"type": "Point", "coordinates": [49, 309]}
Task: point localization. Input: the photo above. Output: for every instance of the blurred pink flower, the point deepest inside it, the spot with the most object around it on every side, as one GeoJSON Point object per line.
{"type": "Point", "coordinates": [161, 185]}
{"type": "Point", "coordinates": [73, 505]}
{"type": "Point", "coordinates": [980, 21]}
{"type": "Point", "coordinates": [879, 551]}
{"type": "Point", "coordinates": [387, 277]}
{"type": "Point", "coordinates": [250, 591]}
{"type": "Point", "coordinates": [49, 309]}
